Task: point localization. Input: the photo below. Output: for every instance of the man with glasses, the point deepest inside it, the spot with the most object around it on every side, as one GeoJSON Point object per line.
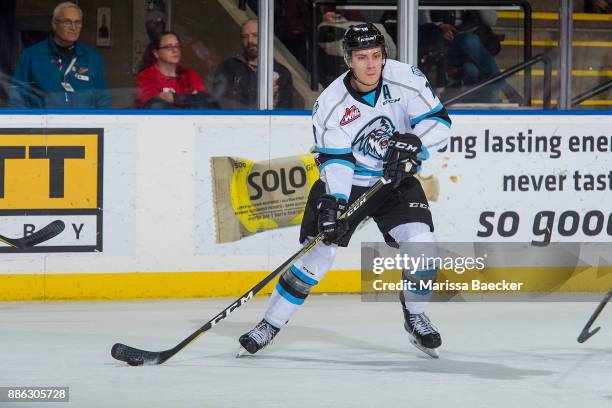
{"type": "Point", "coordinates": [60, 72]}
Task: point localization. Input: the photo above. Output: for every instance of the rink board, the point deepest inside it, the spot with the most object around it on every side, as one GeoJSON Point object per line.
{"type": "Point", "coordinates": [157, 224]}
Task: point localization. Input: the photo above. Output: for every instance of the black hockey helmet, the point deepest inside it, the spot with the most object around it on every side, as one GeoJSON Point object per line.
{"type": "Point", "coordinates": [362, 37]}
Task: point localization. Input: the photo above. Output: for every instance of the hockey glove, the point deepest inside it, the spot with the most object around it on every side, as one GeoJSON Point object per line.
{"type": "Point", "coordinates": [329, 209]}
{"type": "Point", "coordinates": [403, 158]}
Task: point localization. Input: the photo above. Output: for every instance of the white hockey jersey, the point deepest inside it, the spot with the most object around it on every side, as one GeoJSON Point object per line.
{"type": "Point", "coordinates": [351, 135]}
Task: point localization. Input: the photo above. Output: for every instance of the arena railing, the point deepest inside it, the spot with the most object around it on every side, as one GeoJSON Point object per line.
{"type": "Point", "coordinates": [593, 92]}
{"type": "Point", "coordinates": [523, 66]}
{"type": "Point", "coordinates": [429, 4]}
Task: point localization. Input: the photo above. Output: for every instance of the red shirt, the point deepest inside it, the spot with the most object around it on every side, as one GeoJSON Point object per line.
{"type": "Point", "coordinates": [150, 82]}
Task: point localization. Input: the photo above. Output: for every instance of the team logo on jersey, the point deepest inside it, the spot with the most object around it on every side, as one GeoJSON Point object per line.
{"type": "Point", "coordinates": [373, 139]}
{"type": "Point", "coordinates": [350, 114]}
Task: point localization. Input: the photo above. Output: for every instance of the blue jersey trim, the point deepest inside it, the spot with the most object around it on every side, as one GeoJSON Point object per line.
{"type": "Point", "coordinates": [332, 150]}
{"type": "Point", "coordinates": [337, 161]}
{"type": "Point", "coordinates": [370, 98]}
{"type": "Point", "coordinates": [415, 121]}
{"type": "Point", "coordinates": [340, 196]}
{"type": "Point", "coordinates": [437, 119]}
{"type": "Point", "coordinates": [301, 276]}
{"type": "Point", "coordinates": [362, 171]}
{"type": "Point", "coordinates": [290, 298]}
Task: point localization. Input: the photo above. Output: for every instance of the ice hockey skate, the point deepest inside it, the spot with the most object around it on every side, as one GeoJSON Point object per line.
{"type": "Point", "coordinates": [256, 339]}
{"type": "Point", "coordinates": [423, 334]}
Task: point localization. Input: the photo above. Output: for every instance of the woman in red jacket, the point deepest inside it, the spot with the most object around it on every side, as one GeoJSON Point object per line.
{"type": "Point", "coordinates": [166, 84]}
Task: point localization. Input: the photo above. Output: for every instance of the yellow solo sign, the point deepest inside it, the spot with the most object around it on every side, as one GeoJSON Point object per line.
{"type": "Point", "coordinates": [250, 197]}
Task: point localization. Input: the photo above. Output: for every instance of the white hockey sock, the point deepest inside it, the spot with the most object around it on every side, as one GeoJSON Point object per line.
{"type": "Point", "coordinates": [295, 284]}
{"type": "Point", "coordinates": [416, 300]}
{"type": "Point", "coordinates": [280, 310]}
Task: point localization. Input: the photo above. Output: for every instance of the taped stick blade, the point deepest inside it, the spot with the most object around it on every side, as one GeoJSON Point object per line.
{"type": "Point", "coordinates": [134, 356]}
{"type": "Point", "coordinates": [44, 234]}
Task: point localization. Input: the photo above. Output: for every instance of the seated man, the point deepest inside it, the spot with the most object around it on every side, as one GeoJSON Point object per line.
{"type": "Point", "coordinates": [471, 49]}
{"type": "Point", "coordinates": [60, 72]}
{"type": "Point", "coordinates": [166, 84]}
{"type": "Point", "coordinates": [235, 83]}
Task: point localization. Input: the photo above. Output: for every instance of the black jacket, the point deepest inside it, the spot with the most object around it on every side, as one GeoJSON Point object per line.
{"type": "Point", "coordinates": [235, 85]}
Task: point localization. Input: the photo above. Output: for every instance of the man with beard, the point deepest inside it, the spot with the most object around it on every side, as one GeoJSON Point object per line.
{"type": "Point", "coordinates": [235, 84]}
{"type": "Point", "coordinates": [378, 120]}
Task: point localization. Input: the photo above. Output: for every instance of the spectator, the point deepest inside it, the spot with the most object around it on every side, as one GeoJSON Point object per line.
{"type": "Point", "coordinates": [330, 35]}
{"type": "Point", "coordinates": [472, 46]}
{"type": "Point", "coordinates": [432, 48]}
{"type": "Point", "coordinates": [60, 72]}
{"type": "Point", "coordinates": [235, 84]}
{"type": "Point", "coordinates": [166, 84]}
{"type": "Point", "coordinates": [197, 55]}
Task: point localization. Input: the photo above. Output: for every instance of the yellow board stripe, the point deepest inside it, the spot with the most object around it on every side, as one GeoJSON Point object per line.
{"type": "Point", "coordinates": [122, 286]}
{"type": "Point", "coordinates": [588, 102]}
{"type": "Point", "coordinates": [596, 102]}
{"type": "Point", "coordinates": [554, 16]}
{"type": "Point", "coordinates": [592, 43]}
{"type": "Point", "coordinates": [553, 43]}
{"type": "Point", "coordinates": [575, 72]}
{"type": "Point", "coordinates": [589, 73]}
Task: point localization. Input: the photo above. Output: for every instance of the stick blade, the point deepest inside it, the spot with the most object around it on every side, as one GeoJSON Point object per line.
{"type": "Point", "coordinates": [44, 234]}
{"type": "Point", "coordinates": [134, 356]}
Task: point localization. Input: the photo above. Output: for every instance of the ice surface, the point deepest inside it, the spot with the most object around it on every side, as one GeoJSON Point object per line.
{"type": "Point", "coordinates": [337, 352]}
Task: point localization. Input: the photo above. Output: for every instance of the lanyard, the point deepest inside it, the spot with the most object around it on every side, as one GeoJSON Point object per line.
{"type": "Point", "coordinates": [67, 87]}
{"type": "Point", "coordinates": [69, 68]}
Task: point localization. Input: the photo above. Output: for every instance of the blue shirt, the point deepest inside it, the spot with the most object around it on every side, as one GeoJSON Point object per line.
{"type": "Point", "coordinates": [40, 72]}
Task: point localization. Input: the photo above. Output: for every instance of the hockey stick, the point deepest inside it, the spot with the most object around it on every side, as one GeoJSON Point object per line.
{"type": "Point", "coordinates": [136, 357]}
{"type": "Point", "coordinates": [585, 334]}
{"type": "Point", "coordinates": [42, 235]}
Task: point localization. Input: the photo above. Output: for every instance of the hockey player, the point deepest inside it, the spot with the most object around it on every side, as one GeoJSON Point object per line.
{"type": "Point", "coordinates": [381, 118]}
